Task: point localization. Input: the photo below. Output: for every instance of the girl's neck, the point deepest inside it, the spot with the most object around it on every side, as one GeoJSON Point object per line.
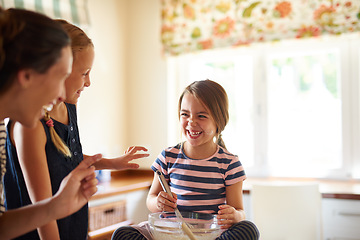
{"type": "Point", "coordinates": [60, 113]}
{"type": "Point", "coordinates": [199, 152]}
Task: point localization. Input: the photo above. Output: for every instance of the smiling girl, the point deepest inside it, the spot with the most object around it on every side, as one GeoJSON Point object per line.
{"type": "Point", "coordinates": [202, 174]}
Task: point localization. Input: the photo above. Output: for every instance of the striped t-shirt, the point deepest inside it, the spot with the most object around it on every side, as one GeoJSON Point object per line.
{"type": "Point", "coordinates": [199, 183]}
{"type": "Point", "coordinates": [2, 164]}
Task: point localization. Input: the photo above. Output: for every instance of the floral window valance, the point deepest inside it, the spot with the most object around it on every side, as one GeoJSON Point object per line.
{"type": "Point", "coordinates": [191, 25]}
{"type": "Point", "coordinates": [71, 10]}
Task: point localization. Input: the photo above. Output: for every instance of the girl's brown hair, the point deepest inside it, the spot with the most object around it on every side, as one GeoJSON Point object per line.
{"type": "Point", "coordinates": [214, 97]}
{"type": "Point", "coordinates": [79, 42]}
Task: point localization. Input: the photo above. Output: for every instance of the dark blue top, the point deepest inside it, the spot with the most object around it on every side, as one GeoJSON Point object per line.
{"type": "Point", "coordinates": [16, 195]}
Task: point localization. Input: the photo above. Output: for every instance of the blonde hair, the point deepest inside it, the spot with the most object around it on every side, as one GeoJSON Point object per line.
{"type": "Point", "coordinates": [214, 97]}
{"type": "Point", "coordinates": [55, 138]}
{"type": "Point", "coordinates": [79, 39]}
{"type": "Point", "coordinates": [79, 42]}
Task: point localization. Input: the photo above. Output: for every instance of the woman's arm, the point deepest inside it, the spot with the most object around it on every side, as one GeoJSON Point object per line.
{"type": "Point", "coordinates": [75, 190]}
{"type": "Point", "coordinates": [30, 145]}
{"type": "Point", "coordinates": [233, 211]}
{"type": "Point", "coordinates": [122, 163]}
{"type": "Point", "coordinates": [158, 200]}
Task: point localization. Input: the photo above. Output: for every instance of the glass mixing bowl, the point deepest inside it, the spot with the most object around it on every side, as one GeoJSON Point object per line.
{"type": "Point", "coordinates": [165, 225]}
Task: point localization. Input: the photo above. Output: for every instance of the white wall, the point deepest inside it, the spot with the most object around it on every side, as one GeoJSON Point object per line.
{"type": "Point", "coordinates": [126, 103]}
{"type": "Point", "coordinates": [146, 78]}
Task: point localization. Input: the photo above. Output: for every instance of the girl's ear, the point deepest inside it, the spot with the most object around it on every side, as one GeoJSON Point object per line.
{"type": "Point", "coordinates": [24, 77]}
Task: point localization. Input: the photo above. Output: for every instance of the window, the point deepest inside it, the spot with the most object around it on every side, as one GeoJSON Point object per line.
{"type": "Point", "coordinates": [294, 106]}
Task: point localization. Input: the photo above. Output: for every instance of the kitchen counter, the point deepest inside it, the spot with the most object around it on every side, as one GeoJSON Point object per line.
{"type": "Point", "coordinates": [133, 180]}
{"type": "Point", "coordinates": [329, 188]}
{"type": "Point", "coordinates": [124, 181]}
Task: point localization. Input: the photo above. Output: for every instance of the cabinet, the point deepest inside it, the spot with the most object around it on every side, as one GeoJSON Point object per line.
{"type": "Point", "coordinates": [341, 219]}
{"type": "Point", "coordinates": [108, 213]}
{"type": "Point", "coordinates": [119, 202]}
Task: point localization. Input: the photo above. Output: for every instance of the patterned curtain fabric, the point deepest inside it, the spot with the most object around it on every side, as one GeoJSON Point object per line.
{"type": "Point", "coordinates": [192, 25]}
{"type": "Point", "coordinates": [74, 11]}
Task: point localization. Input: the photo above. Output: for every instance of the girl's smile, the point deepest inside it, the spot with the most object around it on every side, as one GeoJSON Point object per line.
{"type": "Point", "coordinates": [79, 92]}
{"type": "Point", "coordinates": [193, 134]}
{"type": "Point", "coordinates": [80, 75]}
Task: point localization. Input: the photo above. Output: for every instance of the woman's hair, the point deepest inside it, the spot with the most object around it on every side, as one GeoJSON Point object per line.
{"type": "Point", "coordinates": [79, 41]}
{"type": "Point", "coordinates": [28, 40]}
{"type": "Point", "coordinates": [214, 97]}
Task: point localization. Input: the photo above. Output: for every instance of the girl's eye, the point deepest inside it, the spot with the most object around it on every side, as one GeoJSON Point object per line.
{"type": "Point", "coordinates": [183, 114]}
{"type": "Point", "coordinates": [202, 116]}
{"type": "Point", "coordinates": [86, 73]}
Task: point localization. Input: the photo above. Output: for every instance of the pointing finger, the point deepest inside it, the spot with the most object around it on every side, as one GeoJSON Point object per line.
{"type": "Point", "coordinates": [87, 162]}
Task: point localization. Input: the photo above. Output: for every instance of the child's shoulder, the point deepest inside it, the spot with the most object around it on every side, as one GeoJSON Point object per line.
{"type": "Point", "coordinates": [225, 152]}
{"type": "Point", "coordinates": [174, 150]}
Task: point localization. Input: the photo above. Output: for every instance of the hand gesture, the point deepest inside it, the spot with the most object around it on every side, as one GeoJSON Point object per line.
{"type": "Point", "coordinates": [228, 215]}
{"type": "Point", "coordinates": [122, 163]}
{"type": "Point", "coordinates": [130, 154]}
{"type": "Point", "coordinates": [165, 202]}
{"type": "Point", "coordinates": [76, 188]}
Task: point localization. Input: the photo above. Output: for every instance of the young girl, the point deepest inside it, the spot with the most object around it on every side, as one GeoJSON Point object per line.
{"type": "Point", "coordinates": [202, 174]}
{"type": "Point", "coordinates": [35, 59]}
{"type": "Point", "coordinates": [41, 157]}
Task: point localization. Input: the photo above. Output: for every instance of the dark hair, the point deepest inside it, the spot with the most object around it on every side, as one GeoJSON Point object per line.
{"type": "Point", "coordinates": [214, 97]}
{"type": "Point", "coordinates": [28, 40]}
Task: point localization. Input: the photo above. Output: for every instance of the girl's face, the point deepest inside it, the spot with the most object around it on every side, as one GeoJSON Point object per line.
{"type": "Point", "coordinates": [197, 124]}
{"type": "Point", "coordinates": [80, 75]}
{"type": "Point", "coordinates": [45, 89]}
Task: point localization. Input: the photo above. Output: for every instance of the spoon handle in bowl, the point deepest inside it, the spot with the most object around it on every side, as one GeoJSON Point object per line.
{"type": "Point", "coordinates": [164, 183]}
{"type": "Point", "coordinates": [184, 225]}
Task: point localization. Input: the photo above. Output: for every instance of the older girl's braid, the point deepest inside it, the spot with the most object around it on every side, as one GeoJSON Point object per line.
{"type": "Point", "coordinates": [58, 142]}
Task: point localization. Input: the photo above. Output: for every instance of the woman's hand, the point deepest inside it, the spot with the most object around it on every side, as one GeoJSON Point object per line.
{"type": "Point", "coordinates": [228, 215]}
{"type": "Point", "coordinates": [166, 203]}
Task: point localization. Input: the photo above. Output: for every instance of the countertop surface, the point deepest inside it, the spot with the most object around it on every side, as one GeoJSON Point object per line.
{"type": "Point", "coordinates": [349, 189]}
{"type": "Point", "coordinates": [133, 180]}
{"type": "Point", "coordinates": [123, 182]}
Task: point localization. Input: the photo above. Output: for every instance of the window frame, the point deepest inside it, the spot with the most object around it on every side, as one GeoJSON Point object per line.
{"type": "Point", "coordinates": [349, 48]}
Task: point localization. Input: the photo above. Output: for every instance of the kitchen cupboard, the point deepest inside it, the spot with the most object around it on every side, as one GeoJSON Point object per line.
{"type": "Point", "coordinates": [112, 212]}
{"type": "Point", "coordinates": [341, 219]}
{"type": "Point", "coordinates": [119, 202]}
{"type": "Point", "coordinates": [340, 206]}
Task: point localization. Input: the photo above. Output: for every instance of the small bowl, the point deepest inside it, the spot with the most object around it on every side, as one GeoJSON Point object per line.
{"type": "Point", "coordinates": [165, 225]}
